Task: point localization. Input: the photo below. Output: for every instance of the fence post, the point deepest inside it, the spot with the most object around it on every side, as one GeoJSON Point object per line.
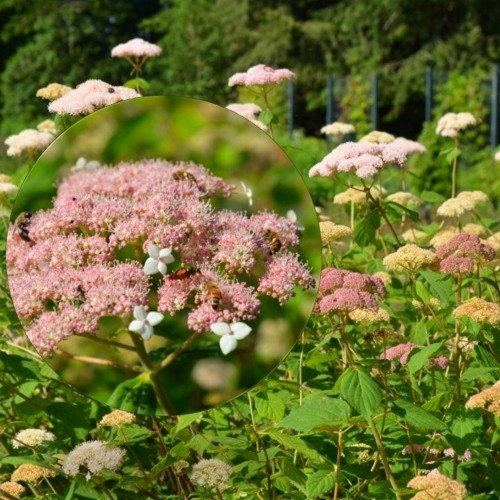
{"type": "Point", "coordinates": [429, 93]}
{"type": "Point", "coordinates": [374, 107]}
{"type": "Point", "coordinates": [291, 99]}
{"type": "Point", "coordinates": [494, 108]}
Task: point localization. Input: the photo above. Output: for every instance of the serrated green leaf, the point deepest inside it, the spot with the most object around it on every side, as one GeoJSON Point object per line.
{"type": "Point", "coordinates": [417, 416]}
{"type": "Point", "coordinates": [420, 358]}
{"type": "Point", "coordinates": [269, 406]}
{"type": "Point", "coordinates": [294, 443]}
{"type": "Point", "coordinates": [320, 482]}
{"type": "Point", "coordinates": [185, 421]}
{"type": "Point", "coordinates": [440, 286]}
{"type": "Point", "coordinates": [432, 197]}
{"type": "Point", "coordinates": [422, 292]}
{"type": "Point", "coordinates": [360, 391]}
{"type": "Point", "coordinates": [135, 395]}
{"type": "Point", "coordinates": [365, 230]}
{"type": "Point", "coordinates": [318, 411]}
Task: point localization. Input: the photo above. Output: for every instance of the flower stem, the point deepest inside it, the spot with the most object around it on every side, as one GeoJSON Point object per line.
{"type": "Point", "coordinates": [337, 467]}
{"type": "Point", "coordinates": [174, 355]}
{"type": "Point", "coordinates": [454, 170]}
{"type": "Point", "coordinates": [381, 211]}
{"type": "Point", "coordinates": [97, 361]}
{"type": "Point", "coordinates": [155, 381]}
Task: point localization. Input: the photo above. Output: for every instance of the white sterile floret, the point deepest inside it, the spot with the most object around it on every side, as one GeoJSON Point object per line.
{"type": "Point", "coordinates": [144, 322]}
{"type": "Point", "coordinates": [230, 334]}
{"type": "Point", "coordinates": [82, 163]}
{"type": "Point", "coordinates": [248, 193]}
{"type": "Point", "coordinates": [158, 259]}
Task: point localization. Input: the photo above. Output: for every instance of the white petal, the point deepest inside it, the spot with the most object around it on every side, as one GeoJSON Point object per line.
{"type": "Point", "coordinates": [139, 313]}
{"type": "Point", "coordinates": [153, 250]}
{"type": "Point", "coordinates": [165, 252]}
{"type": "Point", "coordinates": [151, 266]}
{"type": "Point", "coordinates": [154, 318]}
{"type": "Point", "coordinates": [136, 325]}
{"type": "Point", "coordinates": [240, 330]}
{"type": "Point", "coordinates": [227, 344]}
{"type": "Point", "coordinates": [147, 332]}
{"type": "Point", "coordinates": [162, 267]}
{"type": "Point", "coordinates": [291, 215]}
{"type": "Point", "coordinates": [220, 328]}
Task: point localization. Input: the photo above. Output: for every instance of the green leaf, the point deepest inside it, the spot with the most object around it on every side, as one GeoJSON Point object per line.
{"type": "Point", "coordinates": [477, 373]}
{"type": "Point", "coordinates": [400, 209]}
{"type": "Point", "coordinates": [267, 117]}
{"type": "Point", "coordinates": [464, 427]}
{"type": "Point", "coordinates": [365, 231]}
{"type": "Point", "coordinates": [132, 434]}
{"type": "Point", "coordinates": [137, 83]}
{"type": "Point", "coordinates": [419, 359]}
{"type": "Point", "coordinates": [317, 411]}
{"type": "Point", "coordinates": [185, 421]}
{"type": "Point", "coordinates": [320, 482]}
{"type": "Point", "coordinates": [135, 395]}
{"type": "Point", "coordinates": [439, 285]}
{"type": "Point", "coordinates": [294, 443]}
{"type": "Point", "coordinates": [437, 402]}
{"type": "Point", "coordinates": [454, 153]}
{"type": "Point", "coordinates": [417, 416]}
{"type": "Point", "coordinates": [270, 406]}
{"type": "Point", "coordinates": [360, 391]}
{"type": "Point", "coordinates": [432, 197]}
{"type": "Point", "coordinates": [70, 419]}
{"type": "Point", "coordinates": [422, 292]}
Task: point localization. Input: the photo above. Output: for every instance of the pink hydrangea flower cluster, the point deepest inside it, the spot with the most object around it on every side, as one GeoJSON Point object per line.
{"type": "Point", "coordinates": [85, 257]}
{"type": "Point", "coordinates": [400, 351]}
{"type": "Point", "coordinates": [90, 96]}
{"type": "Point", "coordinates": [460, 254]}
{"type": "Point", "coordinates": [364, 159]}
{"type": "Point", "coordinates": [344, 291]}
{"type": "Point", "coordinates": [408, 147]}
{"type": "Point", "coordinates": [261, 75]}
{"type": "Point", "coordinates": [137, 47]}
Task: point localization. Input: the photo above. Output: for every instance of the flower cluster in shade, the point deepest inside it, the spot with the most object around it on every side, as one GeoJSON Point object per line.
{"type": "Point", "coordinates": [31, 473]}
{"type": "Point", "coordinates": [462, 253]}
{"type": "Point", "coordinates": [488, 399]}
{"type": "Point", "coordinates": [136, 48]}
{"type": "Point", "coordinates": [211, 473]}
{"type": "Point", "coordinates": [451, 123]}
{"type": "Point", "coordinates": [261, 75]}
{"type": "Point", "coordinates": [435, 485]}
{"type": "Point", "coordinates": [346, 291]}
{"type": "Point", "coordinates": [338, 129]}
{"type": "Point", "coordinates": [364, 159]}
{"type": "Point", "coordinates": [400, 351]}
{"type": "Point", "coordinates": [378, 137]}
{"type": "Point", "coordinates": [31, 438]}
{"type": "Point", "coordinates": [356, 196]}
{"type": "Point", "coordinates": [12, 488]}
{"type": "Point", "coordinates": [90, 96]}
{"type": "Point", "coordinates": [53, 91]}
{"type": "Point", "coordinates": [111, 227]}
{"type": "Point", "coordinates": [117, 418]}
{"type": "Point", "coordinates": [29, 141]}
{"type": "Point", "coordinates": [95, 456]}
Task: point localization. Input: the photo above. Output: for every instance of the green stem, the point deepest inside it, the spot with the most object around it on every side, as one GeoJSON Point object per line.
{"type": "Point", "coordinates": [381, 211]}
{"type": "Point", "coordinates": [174, 355]}
{"type": "Point", "coordinates": [454, 170]}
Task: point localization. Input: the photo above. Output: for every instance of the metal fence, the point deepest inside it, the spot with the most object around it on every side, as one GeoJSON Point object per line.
{"type": "Point", "coordinates": [430, 85]}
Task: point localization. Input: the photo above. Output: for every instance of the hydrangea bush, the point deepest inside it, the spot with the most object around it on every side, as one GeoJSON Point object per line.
{"type": "Point", "coordinates": [392, 392]}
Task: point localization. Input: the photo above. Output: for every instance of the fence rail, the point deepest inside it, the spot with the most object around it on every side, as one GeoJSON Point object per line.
{"type": "Point", "coordinates": [430, 83]}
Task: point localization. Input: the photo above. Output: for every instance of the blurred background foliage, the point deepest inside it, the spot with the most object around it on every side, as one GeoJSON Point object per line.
{"type": "Point", "coordinates": [180, 129]}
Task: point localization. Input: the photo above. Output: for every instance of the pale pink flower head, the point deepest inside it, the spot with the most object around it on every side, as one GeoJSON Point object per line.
{"type": "Point", "coordinates": [90, 96]}
{"type": "Point", "coordinates": [441, 362]}
{"type": "Point", "coordinates": [137, 47]}
{"type": "Point", "coordinates": [462, 251]}
{"type": "Point", "coordinates": [249, 110]}
{"type": "Point", "coordinates": [409, 147]}
{"type": "Point", "coordinates": [400, 351]}
{"type": "Point", "coordinates": [364, 159]}
{"type": "Point", "coordinates": [261, 75]}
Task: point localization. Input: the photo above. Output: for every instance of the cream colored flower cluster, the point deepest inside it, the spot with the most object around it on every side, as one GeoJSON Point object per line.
{"type": "Point", "coordinates": [211, 473]}
{"type": "Point", "coordinates": [12, 488]}
{"type": "Point", "coordinates": [369, 316]}
{"type": "Point", "coordinates": [117, 418]}
{"type": "Point", "coordinates": [31, 438]}
{"type": "Point", "coordinates": [53, 91]}
{"type": "Point", "coordinates": [414, 236]}
{"type": "Point", "coordinates": [356, 196]}
{"type": "Point", "coordinates": [404, 198]}
{"type": "Point", "coordinates": [479, 310]}
{"type": "Point", "coordinates": [28, 141]}
{"type": "Point", "coordinates": [338, 129]}
{"type": "Point", "coordinates": [31, 473]}
{"type": "Point", "coordinates": [488, 400]}
{"type": "Point", "coordinates": [409, 258]}
{"type": "Point", "coordinates": [331, 232]}
{"type": "Point", "coordinates": [436, 486]}
{"type": "Point", "coordinates": [377, 137]}
{"type": "Point", "coordinates": [451, 123]}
